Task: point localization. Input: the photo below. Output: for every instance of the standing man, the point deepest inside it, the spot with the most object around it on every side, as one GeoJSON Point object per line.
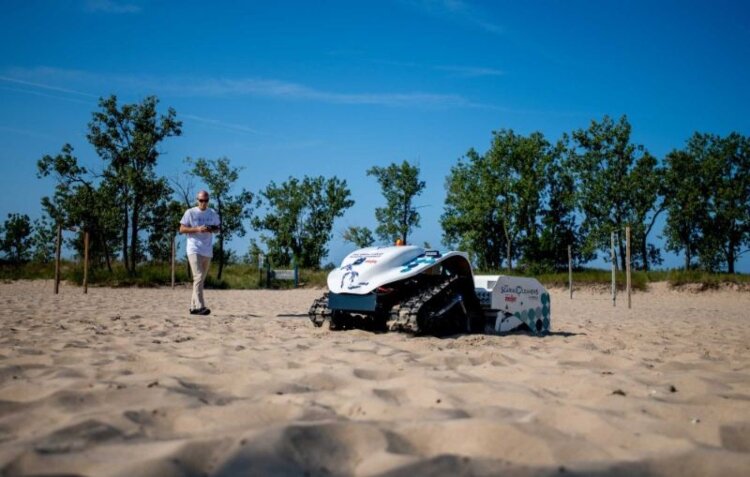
{"type": "Point", "coordinates": [199, 223]}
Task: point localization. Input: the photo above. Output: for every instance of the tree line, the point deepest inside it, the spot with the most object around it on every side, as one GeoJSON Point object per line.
{"type": "Point", "coordinates": [527, 199]}
{"type": "Point", "coordinates": [520, 204]}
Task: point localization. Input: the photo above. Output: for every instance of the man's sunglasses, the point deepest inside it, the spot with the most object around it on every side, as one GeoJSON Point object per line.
{"type": "Point", "coordinates": [202, 200]}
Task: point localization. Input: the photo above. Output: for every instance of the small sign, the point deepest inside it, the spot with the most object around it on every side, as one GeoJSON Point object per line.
{"type": "Point", "coordinates": [283, 274]}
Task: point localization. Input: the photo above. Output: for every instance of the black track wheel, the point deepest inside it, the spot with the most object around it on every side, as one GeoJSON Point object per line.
{"type": "Point", "coordinates": [319, 312]}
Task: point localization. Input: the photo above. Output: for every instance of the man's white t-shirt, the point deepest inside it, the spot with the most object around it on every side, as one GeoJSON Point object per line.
{"type": "Point", "coordinates": [199, 243]}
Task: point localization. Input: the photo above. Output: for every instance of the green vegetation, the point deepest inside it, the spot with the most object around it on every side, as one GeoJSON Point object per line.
{"type": "Point", "coordinates": [400, 185]}
{"type": "Point", "coordinates": [705, 279]}
{"type": "Point", "coordinates": [520, 205]}
{"type": "Point", "coordinates": [361, 237]}
{"type": "Point", "coordinates": [299, 218]}
{"type": "Point", "coordinates": [240, 276]}
{"type": "Point", "coordinates": [236, 276]}
{"type": "Point", "coordinates": [595, 278]}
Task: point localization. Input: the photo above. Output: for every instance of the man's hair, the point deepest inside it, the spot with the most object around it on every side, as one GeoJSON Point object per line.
{"type": "Point", "coordinates": [200, 193]}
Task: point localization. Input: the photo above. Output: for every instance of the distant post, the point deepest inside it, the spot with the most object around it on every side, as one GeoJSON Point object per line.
{"type": "Point", "coordinates": [627, 262]}
{"type": "Point", "coordinates": [57, 258]}
{"type": "Point", "coordinates": [86, 262]}
{"type": "Point", "coordinates": [261, 260]}
{"type": "Point", "coordinates": [614, 268]}
{"type": "Point", "coordinates": [570, 272]}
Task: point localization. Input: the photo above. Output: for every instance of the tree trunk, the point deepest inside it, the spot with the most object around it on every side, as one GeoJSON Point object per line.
{"type": "Point", "coordinates": [126, 220]}
{"type": "Point", "coordinates": [405, 225]}
{"type": "Point", "coordinates": [221, 257]}
{"type": "Point", "coordinates": [106, 252]}
{"type": "Point", "coordinates": [688, 257]}
{"type": "Point", "coordinates": [645, 236]}
{"type": "Point", "coordinates": [134, 238]}
{"type": "Point", "coordinates": [507, 253]}
{"type": "Point", "coordinates": [730, 257]}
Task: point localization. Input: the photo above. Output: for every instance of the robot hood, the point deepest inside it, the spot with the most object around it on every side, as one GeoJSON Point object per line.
{"type": "Point", "coordinates": [364, 270]}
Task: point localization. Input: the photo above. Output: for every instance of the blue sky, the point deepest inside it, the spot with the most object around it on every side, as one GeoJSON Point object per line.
{"type": "Point", "coordinates": [333, 88]}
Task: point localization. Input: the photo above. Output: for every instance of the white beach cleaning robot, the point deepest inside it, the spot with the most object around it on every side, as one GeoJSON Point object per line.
{"type": "Point", "coordinates": [409, 288]}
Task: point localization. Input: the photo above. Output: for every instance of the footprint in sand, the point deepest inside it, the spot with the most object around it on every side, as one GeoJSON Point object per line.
{"type": "Point", "coordinates": [375, 374]}
{"type": "Point", "coordinates": [736, 437]}
{"type": "Point", "coordinates": [77, 437]}
{"type": "Point", "coordinates": [391, 396]}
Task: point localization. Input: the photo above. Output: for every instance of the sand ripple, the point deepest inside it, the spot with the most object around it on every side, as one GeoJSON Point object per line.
{"type": "Point", "coordinates": [125, 382]}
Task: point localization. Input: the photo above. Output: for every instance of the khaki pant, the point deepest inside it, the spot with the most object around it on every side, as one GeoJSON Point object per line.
{"type": "Point", "coordinates": [199, 266]}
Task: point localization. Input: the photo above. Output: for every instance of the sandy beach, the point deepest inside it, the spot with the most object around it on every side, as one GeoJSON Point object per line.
{"type": "Point", "coordinates": [126, 382]}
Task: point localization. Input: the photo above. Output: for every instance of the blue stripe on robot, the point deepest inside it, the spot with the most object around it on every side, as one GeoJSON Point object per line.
{"type": "Point", "coordinates": [416, 262]}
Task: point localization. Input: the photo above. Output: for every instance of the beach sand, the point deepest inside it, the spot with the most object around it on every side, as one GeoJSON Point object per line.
{"type": "Point", "coordinates": [126, 382]}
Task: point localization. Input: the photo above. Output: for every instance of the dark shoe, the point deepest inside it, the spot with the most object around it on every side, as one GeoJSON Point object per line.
{"type": "Point", "coordinates": [203, 311]}
{"type": "Point", "coordinates": [194, 311]}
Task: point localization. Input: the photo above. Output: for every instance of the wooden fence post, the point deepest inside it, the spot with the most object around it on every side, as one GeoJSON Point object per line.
{"type": "Point", "coordinates": [627, 261]}
{"type": "Point", "coordinates": [570, 272]}
{"type": "Point", "coordinates": [57, 258]}
{"type": "Point", "coordinates": [614, 269]}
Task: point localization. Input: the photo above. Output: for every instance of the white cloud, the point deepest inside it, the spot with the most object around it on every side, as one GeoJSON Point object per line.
{"type": "Point", "coordinates": [44, 86]}
{"type": "Point", "coordinates": [45, 95]}
{"type": "Point", "coordinates": [295, 91]}
{"type": "Point", "coordinates": [24, 132]}
{"type": "Point", "coordinates": [464, 71]}
{"type": "Point", "coordinates": [222, 124]}
{"type": "Point", "coordinates": [457, 10]}
{"type": "Point", "coordinates": [470, 71]}
{"type": "Point", "coordinates": [104, 84]}
{"type": "Point", "coordinates": [111, 6]}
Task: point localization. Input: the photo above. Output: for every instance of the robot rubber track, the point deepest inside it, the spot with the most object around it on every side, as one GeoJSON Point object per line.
{"type": "Point", "coordinates": [418, 291]}
{"type": "Point", "coordinates": [438, 308]}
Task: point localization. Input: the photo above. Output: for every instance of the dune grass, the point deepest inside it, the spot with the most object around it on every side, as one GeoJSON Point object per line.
{"type": "Point", "coordinates": [639, 279]}
{"type": "Point", "coordinates": [234, 276]}
{"type": "Point", "coordinates": [243, 276]}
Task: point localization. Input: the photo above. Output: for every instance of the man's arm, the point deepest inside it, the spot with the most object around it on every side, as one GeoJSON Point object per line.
{"type": "Point", "coordinates": [184, 229]}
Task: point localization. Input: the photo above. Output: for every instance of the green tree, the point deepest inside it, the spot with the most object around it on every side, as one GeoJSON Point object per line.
{"type": "Point", "coordinates": [127, 138]}
{"type": "Point", "coordinates": [78, 202]}
{"type": "Point", "coordinates": [473, 219]}
{"type": "Point", "coordinates": [646, 200]}
{"type": "Point", "coordinates": [220, 177]}
{"type": "Point", "coordinates": [731, 220]}
{"type": "Point", "coordinates": [527, 158]}
{"type": "Point", "coordinates": [16, 240]}
{"type": "Point", "coordinates": [495, 201]}
{"type": "Point", "coordinates": [254, 253]}
{"type": "Point", "coordinates": [43, 240]}
{"type": "Point", "coordinates": [685, 195]}
{"type": "Point", "coordinates": [709, 211]}
{"type": "Point", "coordinates": [299, 218]}
{"type": "Point", "coordinates": [614, 179]}
{"type": "Point", "coordinates": [163, 223]}
{"type": "Point", "coordinates": [361, 237]}
{"type": "Point", "coordinates": [400, 184]}
{"type": "Point", "coordinates": [558, 215]}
